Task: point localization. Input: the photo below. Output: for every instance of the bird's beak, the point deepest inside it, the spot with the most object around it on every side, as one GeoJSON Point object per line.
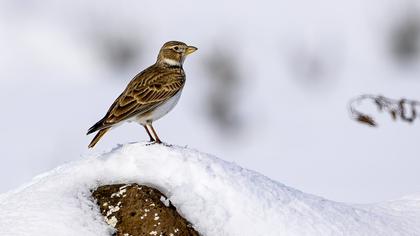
{"type": "Point", "coordinates": [190, 49]}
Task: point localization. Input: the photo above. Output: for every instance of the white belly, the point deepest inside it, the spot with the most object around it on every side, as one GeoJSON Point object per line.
{"type": "Point", "coordinates": [159, 111]}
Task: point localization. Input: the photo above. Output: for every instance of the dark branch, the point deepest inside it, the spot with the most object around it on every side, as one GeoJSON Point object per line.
{"type": "Point", "coordinates": [403, 109]}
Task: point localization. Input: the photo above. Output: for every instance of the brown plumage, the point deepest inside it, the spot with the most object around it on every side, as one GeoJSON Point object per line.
{"type": "Point", "coordinates": [150, 94]}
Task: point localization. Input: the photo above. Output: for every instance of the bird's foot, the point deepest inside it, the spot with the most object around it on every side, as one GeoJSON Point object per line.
{"type": "Point", "coordinates": [152, 142]}
{"type": "Point", "coordinates": [164, 144]}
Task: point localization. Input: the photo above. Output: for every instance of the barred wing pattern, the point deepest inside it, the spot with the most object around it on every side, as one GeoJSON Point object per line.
{"type": "Point", "coordinates": [145, 92]}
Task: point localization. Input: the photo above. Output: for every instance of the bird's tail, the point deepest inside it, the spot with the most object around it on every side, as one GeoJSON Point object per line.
{"type": "Point", "coordinates": [97, 137]}
{"type": "Point", "coordinates": [97, 126]}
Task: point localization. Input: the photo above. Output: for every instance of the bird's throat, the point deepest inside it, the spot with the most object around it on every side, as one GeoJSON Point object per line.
{"type": "Point", "coordinates": [171, 62]}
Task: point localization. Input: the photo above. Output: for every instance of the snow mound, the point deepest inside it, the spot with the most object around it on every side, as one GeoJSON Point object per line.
{"type": "Point", "coordinates": [217, 197]}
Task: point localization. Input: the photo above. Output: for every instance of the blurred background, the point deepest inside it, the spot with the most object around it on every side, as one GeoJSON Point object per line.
{"type": "Point", "coordinates": [268, 88]}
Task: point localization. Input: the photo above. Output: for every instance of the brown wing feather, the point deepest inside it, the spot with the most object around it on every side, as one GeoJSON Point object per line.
{"type": "Point", "coordinates": [144, 93]}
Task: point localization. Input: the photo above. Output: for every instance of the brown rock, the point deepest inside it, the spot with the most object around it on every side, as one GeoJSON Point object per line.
{"type": "Point", "coordinates": [134, 210]}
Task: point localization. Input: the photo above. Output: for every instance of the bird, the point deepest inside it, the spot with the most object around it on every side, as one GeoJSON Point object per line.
{"type": "Point", "coordinates": [150, 95]}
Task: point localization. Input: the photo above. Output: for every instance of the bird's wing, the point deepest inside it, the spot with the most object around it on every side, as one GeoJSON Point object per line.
{"type": "Point", "coordinates": [144, 93]}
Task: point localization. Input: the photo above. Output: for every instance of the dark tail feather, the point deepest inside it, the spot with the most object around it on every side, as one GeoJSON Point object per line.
{"type": "Point", "coordinates": [97, 137]}
{"type": "Point", "coordinates": [95, 127]}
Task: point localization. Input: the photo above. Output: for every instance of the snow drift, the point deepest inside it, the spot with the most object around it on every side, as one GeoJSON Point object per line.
{"type": "Point", "coordinates": [217, 197]}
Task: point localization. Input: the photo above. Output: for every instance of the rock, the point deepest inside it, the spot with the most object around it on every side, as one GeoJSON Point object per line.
{"type": "Point", "coordinates": [134, 210]}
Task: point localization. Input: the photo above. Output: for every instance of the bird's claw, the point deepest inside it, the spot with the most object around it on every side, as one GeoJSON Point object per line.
{"type": "Point", "coordinates": [155, 142]}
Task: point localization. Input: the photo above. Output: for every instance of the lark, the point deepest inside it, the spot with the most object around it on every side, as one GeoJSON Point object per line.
{"type": "Point", "coordinates": [150, 95]}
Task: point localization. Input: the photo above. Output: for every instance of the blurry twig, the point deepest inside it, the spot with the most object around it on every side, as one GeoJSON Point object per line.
{"type": "Point", "coordinates": [224, 91]}
{"type": "Point", "coordinates": [403, 109]}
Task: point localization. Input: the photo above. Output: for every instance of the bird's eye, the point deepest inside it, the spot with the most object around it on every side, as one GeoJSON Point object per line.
{"type": "Point", "coordinates": [176, 48]}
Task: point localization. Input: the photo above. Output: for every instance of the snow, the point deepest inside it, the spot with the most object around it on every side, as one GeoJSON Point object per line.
{"type": "Point", "coordinates": [217, 197]}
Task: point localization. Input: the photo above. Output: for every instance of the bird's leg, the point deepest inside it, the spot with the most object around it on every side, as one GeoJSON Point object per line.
{"type": "Point", "coordinates": [148, 132]}
{"type": "Point", "coordinates": [154, 134]}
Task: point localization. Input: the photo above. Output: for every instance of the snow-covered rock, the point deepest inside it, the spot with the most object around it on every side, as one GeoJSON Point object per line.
{"type": "Point", "coordinates": [217, 197]}
{"type": "Point", "coordinates": [136, 210]}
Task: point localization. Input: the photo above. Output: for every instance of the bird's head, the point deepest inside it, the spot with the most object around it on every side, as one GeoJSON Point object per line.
{"type": "Point", "coordinates": [173, 53]}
